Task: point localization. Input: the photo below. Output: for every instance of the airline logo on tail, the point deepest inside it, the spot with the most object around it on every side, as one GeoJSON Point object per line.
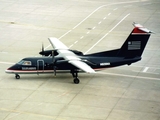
{"type": "Point", "coordinates": [134, 45]}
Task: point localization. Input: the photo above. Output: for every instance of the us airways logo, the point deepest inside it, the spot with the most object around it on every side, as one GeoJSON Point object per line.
{"type": "Point", "coordinates": [134, 45]}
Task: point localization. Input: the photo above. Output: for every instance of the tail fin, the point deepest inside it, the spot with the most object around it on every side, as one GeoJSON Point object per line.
{"type": "Point", "coordinates": [136, 42]}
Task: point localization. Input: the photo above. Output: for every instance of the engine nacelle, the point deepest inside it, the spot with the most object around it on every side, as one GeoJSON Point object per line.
{"type": "Point", "coordinates": [49, 52]}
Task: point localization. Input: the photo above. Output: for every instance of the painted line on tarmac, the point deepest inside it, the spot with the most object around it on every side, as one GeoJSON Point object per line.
{"type": "Point", "coordinates": [131, 76]}
{"type": "Point", "coordinates": [81, 37]}
{"type": "Point", "coordinates": [115, 9]}
{"type": "Point", "coordinates": [27, 113]}
{"type": "Point", "coordinates": [10, 63]}
{"type": "Point", "coordinates": [93, 27]}
{"type": "Point", "coordinates": [107, 33]}
{"type": "Point", "coordinates": [145, 69]}
{"type": "Point", "coordinates": [99, 22]}
{"type": "Point", "coordinates": [118, 3]}
{"type": "Point", "coordinates": [109, 14]}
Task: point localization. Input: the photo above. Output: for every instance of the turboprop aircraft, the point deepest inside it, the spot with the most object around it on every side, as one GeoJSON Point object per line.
{"type": "Point", "coordinates": [62, 59]}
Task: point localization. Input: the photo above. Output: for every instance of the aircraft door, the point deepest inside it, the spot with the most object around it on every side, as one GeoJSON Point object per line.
{"type": "Point", "coordinates": [40, 65]}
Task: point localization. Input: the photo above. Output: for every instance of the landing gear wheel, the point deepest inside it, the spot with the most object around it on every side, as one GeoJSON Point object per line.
{"type": "Point", "coordinates": [75, 76]}
{"type": "Point", "coordinates": [76, 81]}
{"type": "Point", "coordinates": [17, 76]}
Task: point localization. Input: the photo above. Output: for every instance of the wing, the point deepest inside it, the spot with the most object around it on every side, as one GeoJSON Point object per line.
{"type": "Point", "coordinates": [83, 66]}
{"type": "Point", "coordinates": [69, 55]}
{"type": "Point", "coordinates": [57, 44]}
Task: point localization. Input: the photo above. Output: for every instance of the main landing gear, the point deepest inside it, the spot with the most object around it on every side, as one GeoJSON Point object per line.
{"type": "Point", "coordinates": [17, 76]}
{"type": "Point", "coordinates": [75, 76]}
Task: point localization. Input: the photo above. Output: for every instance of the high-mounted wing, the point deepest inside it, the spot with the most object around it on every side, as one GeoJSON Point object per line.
{"type": "Point", "coordinates": [57, 44]}
{"type": "Point", "coordinates": [81, 65]}
{"type": "Point", "coordinates": [72, 58]}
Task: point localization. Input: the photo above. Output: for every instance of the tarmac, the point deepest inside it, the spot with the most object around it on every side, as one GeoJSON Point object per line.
{"type": "Point", "coordinates": [121, 93]}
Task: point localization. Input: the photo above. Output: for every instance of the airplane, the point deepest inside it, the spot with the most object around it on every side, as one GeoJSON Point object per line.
{"type": "Point", "coordinates": [63, 60]}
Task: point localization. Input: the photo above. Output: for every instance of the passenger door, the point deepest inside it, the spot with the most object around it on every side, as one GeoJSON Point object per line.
{"type": "Point", "coordinates": [40, 65]}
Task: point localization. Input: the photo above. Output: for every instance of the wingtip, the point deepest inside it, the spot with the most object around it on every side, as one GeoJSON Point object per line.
{"type": "Point", "coordinates": [52, 38]}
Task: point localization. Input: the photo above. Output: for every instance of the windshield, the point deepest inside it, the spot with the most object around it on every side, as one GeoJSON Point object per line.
{"type": "Point", "coordinates": [24, 62]}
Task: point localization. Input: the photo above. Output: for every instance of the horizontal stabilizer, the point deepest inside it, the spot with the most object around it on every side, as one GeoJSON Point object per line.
{"type": "Point", "coordinates": [139, 29]}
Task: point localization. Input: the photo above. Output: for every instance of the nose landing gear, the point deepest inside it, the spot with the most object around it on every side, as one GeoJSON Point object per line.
{"type": "Point", "coordinates": [17, 76]}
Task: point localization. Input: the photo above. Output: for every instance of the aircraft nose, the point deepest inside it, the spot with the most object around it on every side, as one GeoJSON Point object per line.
{"type": "Point", "coordinates": [10, 69]}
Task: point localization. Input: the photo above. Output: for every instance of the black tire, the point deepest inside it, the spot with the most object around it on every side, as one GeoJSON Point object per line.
{"type": "Point", "coordinates": [17, 76]}
{"type": "Point", "coordinates": [76, 81]}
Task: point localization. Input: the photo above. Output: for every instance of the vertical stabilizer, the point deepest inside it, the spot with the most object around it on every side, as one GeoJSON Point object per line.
{"type": "Point", "coordinates": [135, 43]}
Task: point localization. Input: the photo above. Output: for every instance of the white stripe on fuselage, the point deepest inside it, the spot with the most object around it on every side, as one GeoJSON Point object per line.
{"type": "Point", "coordinates": [35, 71]}
{"type": "Point", "coordinates": [43, 71]}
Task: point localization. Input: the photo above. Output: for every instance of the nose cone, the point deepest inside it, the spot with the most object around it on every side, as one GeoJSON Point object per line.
{"type": "Point", "coordinates": [11, 69]}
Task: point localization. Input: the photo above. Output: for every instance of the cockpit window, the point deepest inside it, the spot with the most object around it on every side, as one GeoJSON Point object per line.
{"type": "Point", "coordinates": [27, 63]}
{"type": "Point", "coordinates": [24, 62]}
{"type": "Point", "coordinates": [20, 62]}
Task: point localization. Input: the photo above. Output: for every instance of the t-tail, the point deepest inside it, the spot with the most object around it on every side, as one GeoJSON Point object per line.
{"type": "Point", "coordinates": [135, 43]}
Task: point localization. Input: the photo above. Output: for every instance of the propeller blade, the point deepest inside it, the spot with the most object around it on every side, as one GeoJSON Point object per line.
{"type": "Point", "coordinates": [54, 63]}
{"type": "Point", "coordinates": [42, 49]}
{"type": "Point", "coordinates": [53, 59]}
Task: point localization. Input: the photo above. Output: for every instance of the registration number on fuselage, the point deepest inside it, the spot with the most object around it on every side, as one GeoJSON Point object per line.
{"type": "Point", "coordinates": [28, 68]}
{"type": "Point", "coordinates": [104, 64]}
